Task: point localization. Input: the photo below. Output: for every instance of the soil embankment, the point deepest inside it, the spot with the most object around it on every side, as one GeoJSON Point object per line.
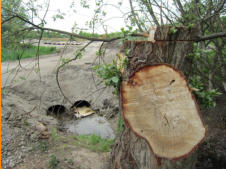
{"type": "Point", "coordinates": [26, 97]}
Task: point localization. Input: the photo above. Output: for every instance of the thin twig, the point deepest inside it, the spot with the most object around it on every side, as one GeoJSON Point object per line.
{"type": "Point", "coordinates": [37, 54]}
{"type": "Point", "coordinates": [61, 66]}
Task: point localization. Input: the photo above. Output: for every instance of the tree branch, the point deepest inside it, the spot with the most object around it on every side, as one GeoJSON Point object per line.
{"type": "Point", "coordinates": [208, 37]}
{"type": "Point", "coordinates": [150, 10]}
{"type": "Point", "coordinates": [7, 20]}
{"type": "Point", "coordinates": [212, 36]}
{"type": "Point", "coordinates": [134, 16]}
{"type": "Point", "coordinates": [181, 9]}
{"type": "Point", "coordinates": [159, 6]}
{"type": "Point", "coordinates": [62, 65]}
{"type": "Point", "coordinates": [72, 34]}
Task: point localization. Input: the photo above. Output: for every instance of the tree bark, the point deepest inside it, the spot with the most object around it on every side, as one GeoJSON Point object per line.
{"type": "Point", "coordinates": [129, 150]}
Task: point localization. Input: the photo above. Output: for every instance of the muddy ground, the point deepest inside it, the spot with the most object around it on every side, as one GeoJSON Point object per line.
{"type": "Point", "coordinates": [27, 93]}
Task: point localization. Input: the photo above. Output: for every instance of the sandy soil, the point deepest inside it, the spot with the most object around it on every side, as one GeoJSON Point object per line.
{"type": "Point", "coordinates": [26, 97]}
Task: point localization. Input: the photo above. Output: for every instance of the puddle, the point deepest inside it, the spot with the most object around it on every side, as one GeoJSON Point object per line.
{"type": "Point", "coordinates": [91, 125]}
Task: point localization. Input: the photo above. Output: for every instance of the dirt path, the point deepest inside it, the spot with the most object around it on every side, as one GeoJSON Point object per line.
{"type": "Point", "coordinates": [25, 99]}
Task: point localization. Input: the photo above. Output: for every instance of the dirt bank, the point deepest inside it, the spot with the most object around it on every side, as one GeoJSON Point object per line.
{"type": "Point", "coordinates": [26, 97]}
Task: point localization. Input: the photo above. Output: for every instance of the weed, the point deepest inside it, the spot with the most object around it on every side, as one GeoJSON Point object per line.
{"type": "Point", "coordinates": [43, 146]}
{"type": "Point", "coordinates": [26, 123]}
{"type": "Point", "coordinates": [70, 161]}
{"type": "Point", "coordinates": [120, 124]}
{"type": "Point", "coordinates": [111, 74]}
{"type": "Point", "coordinates": [53, 134]}
{"type": "Point", "coordinates": [53, 162]}
{"type": "Point", "coordinates": [94, 143]}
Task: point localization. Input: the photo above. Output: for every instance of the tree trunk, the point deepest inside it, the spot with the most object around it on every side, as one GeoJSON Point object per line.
{"type": "Point", "coordinates": [129, 150]}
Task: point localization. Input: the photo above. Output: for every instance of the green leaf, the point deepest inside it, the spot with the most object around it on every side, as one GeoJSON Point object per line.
{"type": "Point", "coordinates": [115, 79]}
{"type": "Point", "coordinates": [173, 30]}
{"type": "Point", "coordinates": [22, 78]}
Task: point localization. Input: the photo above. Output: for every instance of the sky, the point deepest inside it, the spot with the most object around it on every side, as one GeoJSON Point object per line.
{"type": "Point", "coordinates": [113, 19]}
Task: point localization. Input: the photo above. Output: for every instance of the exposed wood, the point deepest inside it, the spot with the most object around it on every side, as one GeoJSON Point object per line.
{"type": "Point", "coordinates": [158, 106]}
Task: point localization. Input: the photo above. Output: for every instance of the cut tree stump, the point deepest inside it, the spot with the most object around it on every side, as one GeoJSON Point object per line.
{"type": "Point", "coordinates": [162, 124]}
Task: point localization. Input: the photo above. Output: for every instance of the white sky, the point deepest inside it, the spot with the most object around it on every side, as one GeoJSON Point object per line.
{"type": "Point", "coordinates": [83, 15]}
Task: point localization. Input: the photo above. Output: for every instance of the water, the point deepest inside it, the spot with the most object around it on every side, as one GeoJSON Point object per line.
{"type": "Point", "coordinates": [92, 125]}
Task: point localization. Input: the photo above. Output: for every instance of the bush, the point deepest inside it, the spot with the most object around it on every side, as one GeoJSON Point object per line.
{"type": "Point", "coordinates": [205, 97]}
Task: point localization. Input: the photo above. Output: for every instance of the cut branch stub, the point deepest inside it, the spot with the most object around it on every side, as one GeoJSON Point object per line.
{"type": "Point", "coordinates": [159, 107]}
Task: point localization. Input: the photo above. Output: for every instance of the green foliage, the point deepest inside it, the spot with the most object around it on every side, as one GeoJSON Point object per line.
{"type": "Point", "coordinates": [126, 33]}
{"type": "Point", "coordinates": [78, 54]}
{"type": "Point", "coordinates": [191, 26]}
{"type": "Point", "coordinates": [202, 67]}
{"type": "Point", "coordinates": [100, 52]}
{"type": "Point", "coordinates": [173, 30]}
{"type": "Point", "coordinates": [70, 161]}
{"type": "Point", "coordinates": [53, 134]}
{"type": "Point", "coordinates": [26, 51]}
{"type": "Point", "coordinates": [120, 125]}
{"type": "Point", "coordinates": [53, 162]}
{"type": "Point", "coordinates": [64, 60]}
{"type": "Point", "coordinates": [110, 74]}
{"type": "Point", "coordinates": [205, 96]}
{"type": "Point", "coordinates": [43, 146]}
{"type": "Point", "coordinates": [9, 31]}
{"type": "Point", "coordinates": [94, 143]}
{"type": "Point", "coordinates": [59, 15]}
{"type": "Point", "coordinates": [26, 123]}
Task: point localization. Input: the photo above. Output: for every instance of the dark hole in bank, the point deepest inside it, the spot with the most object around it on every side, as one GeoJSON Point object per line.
{"type": "Point", "coordinates": [81, 103]}
{"type": "Point", "coordinates": [56, 110]}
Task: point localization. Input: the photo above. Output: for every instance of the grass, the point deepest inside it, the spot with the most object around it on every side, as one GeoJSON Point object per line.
{"type": "Point", "coordinates": [26, 123]}
{"type": "Point", "coordinates": [53, 162]}
{"type": "Point", "coordinates": [94, 143]}
{"type": "Point", "coordinates": [30, 51]}
{"type": "Point", "coordinates": [120, 124]}
{"type": "Point", "coordinates": [43, 146]}
{"type": "Point", "coordinates": [54, 134]}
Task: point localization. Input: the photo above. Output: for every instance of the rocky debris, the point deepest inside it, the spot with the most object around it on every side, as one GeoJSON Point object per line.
{"type": "Point", "coordinates": [43, 131]}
